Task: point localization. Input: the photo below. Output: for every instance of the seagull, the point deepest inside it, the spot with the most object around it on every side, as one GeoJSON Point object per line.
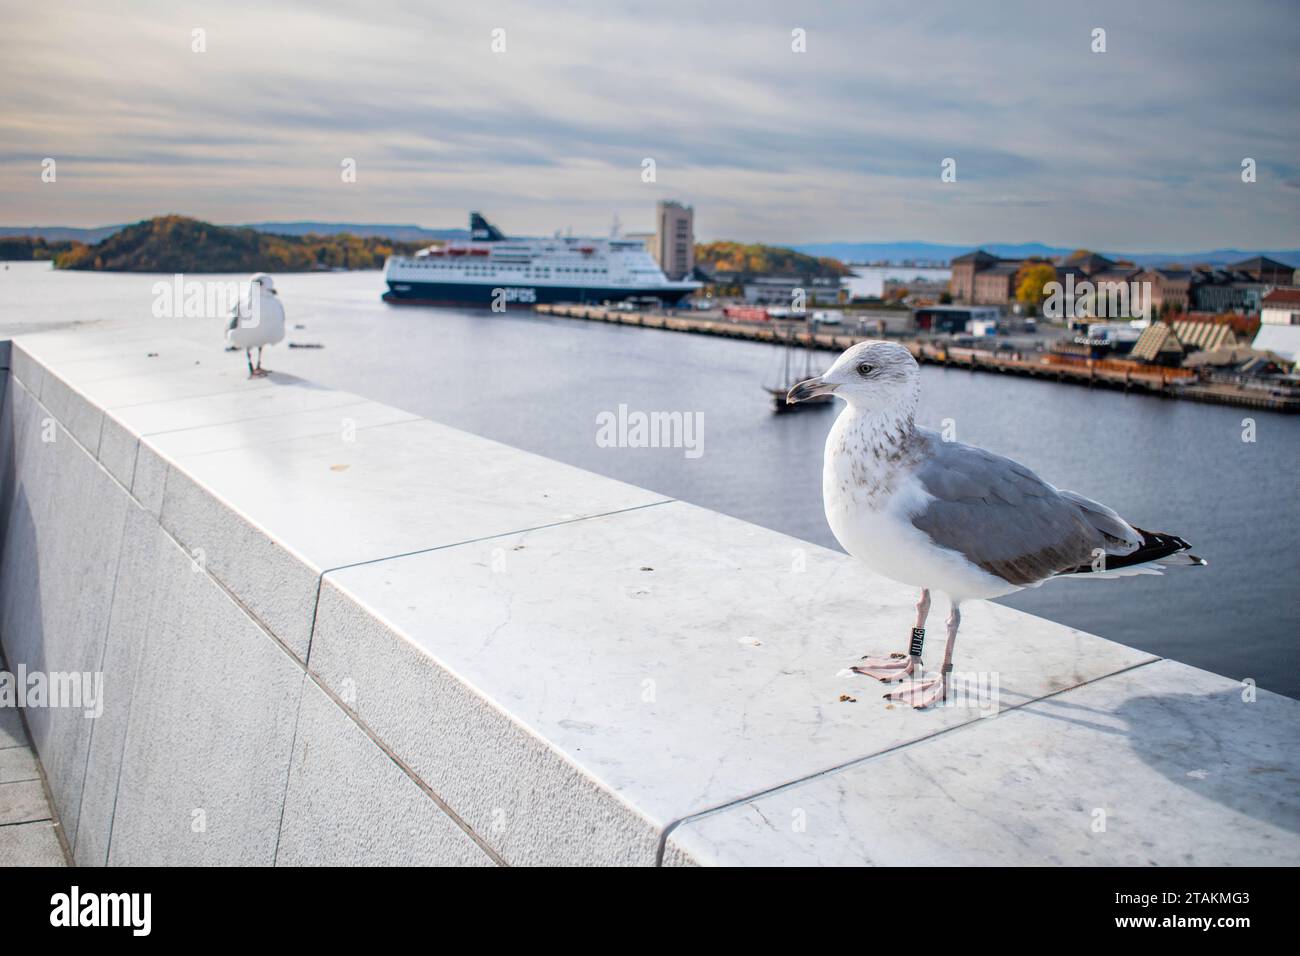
{"type": "Point", "coordinates": [257, 321]}
{"type": "Point", "coordinates": [945, 516]}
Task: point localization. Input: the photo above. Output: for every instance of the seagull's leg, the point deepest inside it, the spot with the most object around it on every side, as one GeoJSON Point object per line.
{"type": "Point", "coordinates": [260, 370]}
{"type": "Point", "coordinates": [898, 666]}
{"type": "Point", "coordinates": [954, 622]}
{"type": "Point", "coordinates": [248, 354]}
{"type": "Point", "coordinates": [924, 691]}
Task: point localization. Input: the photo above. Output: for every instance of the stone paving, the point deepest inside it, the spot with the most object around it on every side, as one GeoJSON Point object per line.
{"type": "Point", "coordinates": [28, 830]}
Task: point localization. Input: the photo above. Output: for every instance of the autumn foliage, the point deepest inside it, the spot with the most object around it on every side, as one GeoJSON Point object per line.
{"type": "Point", "coordinates": [1030, 280]}
{"type": "Point", "coordinates": [756, 259]}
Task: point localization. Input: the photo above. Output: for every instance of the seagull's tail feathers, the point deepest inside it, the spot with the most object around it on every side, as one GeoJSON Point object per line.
{"type": "Point", "coordinates": [1157, 552]}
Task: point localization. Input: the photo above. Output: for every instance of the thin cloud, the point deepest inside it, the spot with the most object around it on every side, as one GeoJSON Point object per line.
{"type": "Point", "coordinates": [1138, 148]}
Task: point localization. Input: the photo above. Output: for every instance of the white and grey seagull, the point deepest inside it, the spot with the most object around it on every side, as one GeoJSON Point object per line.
{"type": "Point", "coordinates": [258, 321]}
{"type": "Point", "coordinates": [950, 517]}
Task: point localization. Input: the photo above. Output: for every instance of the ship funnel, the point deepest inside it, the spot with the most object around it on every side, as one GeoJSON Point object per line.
{"type": "Point", "coordinates": [480, 230]}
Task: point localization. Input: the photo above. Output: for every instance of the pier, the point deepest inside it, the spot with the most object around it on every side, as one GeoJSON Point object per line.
{"type": "Point", "coordinates": [1124, 376]}
{"type": "Point", "coordinates": [332, 632]}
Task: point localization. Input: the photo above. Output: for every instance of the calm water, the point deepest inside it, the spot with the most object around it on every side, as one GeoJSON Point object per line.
{"type": "Point", "coordinates": [539, 383]}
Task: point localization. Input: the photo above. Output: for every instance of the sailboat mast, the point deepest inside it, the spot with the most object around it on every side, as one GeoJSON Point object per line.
{"type": "Point", "coordinates": [787, 360]}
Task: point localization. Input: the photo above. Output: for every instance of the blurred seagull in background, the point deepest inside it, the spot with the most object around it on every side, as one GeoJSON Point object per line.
{"type": "Point", "coordinates": [950, 517]}
{"type": "Point", "coordinates": [258, 321]}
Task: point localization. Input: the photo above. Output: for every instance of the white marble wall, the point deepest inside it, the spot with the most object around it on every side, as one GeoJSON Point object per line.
{"type": "Point", "coordinates": [332, 632]}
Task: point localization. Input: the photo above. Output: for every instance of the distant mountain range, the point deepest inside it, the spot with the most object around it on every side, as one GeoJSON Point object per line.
{"type": "Point", "coordinates": [939, 252]}
{"type": "Point", "coordinates": [409, 233]}
{"type": "Point", "coordinates": [844, 251]}
{"type": "Point", "coordinates": [61, 233]}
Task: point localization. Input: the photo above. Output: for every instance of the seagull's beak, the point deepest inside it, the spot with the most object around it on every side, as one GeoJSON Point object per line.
{"type": "Point", "coordinates": [809, 389]}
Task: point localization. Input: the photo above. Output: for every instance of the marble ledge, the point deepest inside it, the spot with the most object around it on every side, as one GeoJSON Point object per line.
{"type": "Point", "coordinates": [1161, 765]}
{"type": "Point", "coordinates": [709, 662]}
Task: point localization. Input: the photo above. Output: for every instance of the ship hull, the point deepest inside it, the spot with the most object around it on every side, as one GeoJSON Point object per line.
{"type": "Point", "coordinates": [466, 295]}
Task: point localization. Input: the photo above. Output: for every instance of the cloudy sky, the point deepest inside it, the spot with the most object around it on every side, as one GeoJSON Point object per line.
{"type": "Point", "coordinates": [1138, 148]}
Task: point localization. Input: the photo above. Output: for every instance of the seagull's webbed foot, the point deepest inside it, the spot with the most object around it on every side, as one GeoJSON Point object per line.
{"type": "Point", "coordinates": [259, 372]}
{"type": "Point", "coordinates": [893, 667]}
{"type": "Point", "coordinates": [920, 692]}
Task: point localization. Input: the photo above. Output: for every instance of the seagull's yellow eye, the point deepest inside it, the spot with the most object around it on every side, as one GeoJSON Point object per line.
{"type": "Point", "coordinates": [865, 369]}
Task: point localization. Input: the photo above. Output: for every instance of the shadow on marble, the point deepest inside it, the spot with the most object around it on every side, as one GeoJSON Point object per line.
{"type": "Point", "coordinates": [1159, 765]}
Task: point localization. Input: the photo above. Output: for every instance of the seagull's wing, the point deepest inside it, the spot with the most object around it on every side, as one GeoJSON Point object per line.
{"type": "Point", "coordinates": [1122, 537]}
{"type": "Point", "coordinates": [239, 314]}
{"type": "Point", "coordinates": [1008, 521]}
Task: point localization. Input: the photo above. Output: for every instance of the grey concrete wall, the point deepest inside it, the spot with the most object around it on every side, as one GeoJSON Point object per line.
{"type": "Point", "coordinates": [332, 632]}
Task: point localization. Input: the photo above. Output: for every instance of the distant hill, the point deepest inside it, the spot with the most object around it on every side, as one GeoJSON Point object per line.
{"type": "Point", "coordinates": [758, 259]}
{"type": "Point", "coordinates": [178, 244]}
{"type": "Point", "coordinates": [939, 252]}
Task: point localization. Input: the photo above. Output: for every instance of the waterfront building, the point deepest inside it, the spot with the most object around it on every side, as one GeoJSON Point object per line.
{"type": "Point", "coordinates": [953, 318]}
{"type": "Point", "coordinates": [1167, 343]}
{"type": "Point", "coordinates": [1236, 361]}
{"type": "Point", "coordinates": [1281, 307]}
{"type": "Point", "coordinates": [964, 269]}
{"type": "Point", "coordinates": [1220, 290]}
{"type": "Point", "coordinates": [674, 241]}
{"type": "Point", "coordinates": [984, 279]}
{"type": "Point", "coordinates": [780, 290]}
{"type": "Point", "coordinates": [1279, 328]}
{"type": "Point", "coordinates": [1171, 288]}
{"type": "Point", "coordinates": [996, 285]}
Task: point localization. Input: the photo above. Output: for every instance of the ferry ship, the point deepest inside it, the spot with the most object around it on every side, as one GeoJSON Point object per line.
{"type": "Point", "coordinates": [490, 269]}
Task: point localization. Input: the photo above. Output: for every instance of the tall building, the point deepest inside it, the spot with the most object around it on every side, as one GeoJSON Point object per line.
{"type": "Point", "coordinates": [962, 284]}
{"type": "Point", "coordinates": [674, 243]}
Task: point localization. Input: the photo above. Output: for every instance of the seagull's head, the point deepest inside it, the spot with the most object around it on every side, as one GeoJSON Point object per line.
{"type": "Point", "coordinates": [263, 280]}
{"type": "Point", "coordinates": [870, 376]}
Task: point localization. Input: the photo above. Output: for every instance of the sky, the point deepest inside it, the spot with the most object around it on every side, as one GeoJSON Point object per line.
{"type": "Point", "coordinates": [1138, 148]}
